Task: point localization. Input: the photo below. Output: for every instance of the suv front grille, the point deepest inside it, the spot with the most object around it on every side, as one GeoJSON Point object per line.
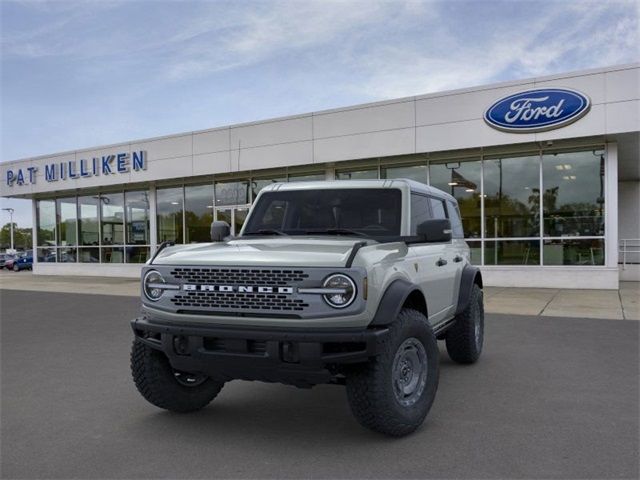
{"type": "Point", "coordinates": [236, 276]}
{"type": "Point", "coordinates": [238, 301]}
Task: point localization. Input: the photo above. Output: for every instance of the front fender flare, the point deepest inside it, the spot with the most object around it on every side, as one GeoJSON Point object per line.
{"type": "Point", "coordinates": [392, 301]}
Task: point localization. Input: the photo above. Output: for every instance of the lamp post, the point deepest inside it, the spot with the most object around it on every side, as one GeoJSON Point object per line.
{"type": "Point", "coordinates": [10, 210]}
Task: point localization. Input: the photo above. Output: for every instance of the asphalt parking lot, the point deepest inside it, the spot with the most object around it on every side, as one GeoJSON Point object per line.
{"type": "Point", "coordinates": [550, 398]}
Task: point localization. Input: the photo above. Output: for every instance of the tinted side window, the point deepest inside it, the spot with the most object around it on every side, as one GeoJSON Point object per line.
{"type": "Point", "coordinates": [420, 211]}
{"type": "Point", "coordinates": [437, 206]}
{"type": "Point", "coordinates": [456, 223]}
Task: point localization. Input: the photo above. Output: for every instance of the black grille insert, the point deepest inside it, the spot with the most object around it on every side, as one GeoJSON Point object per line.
{"type": "Point", "coordinates": [239, 301]}
{"type": "Point", "coordinates": [236, 276]}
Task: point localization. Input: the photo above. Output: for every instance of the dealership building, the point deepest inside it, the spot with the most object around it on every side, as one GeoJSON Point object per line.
{"type": "Point", "coordinates": [546, 172]}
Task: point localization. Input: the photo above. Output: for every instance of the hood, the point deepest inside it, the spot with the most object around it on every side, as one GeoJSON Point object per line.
{"type": "Point", "coordinates": [265, 251]}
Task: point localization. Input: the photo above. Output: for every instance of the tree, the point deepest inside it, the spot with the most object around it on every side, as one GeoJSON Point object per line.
{"type": "Point", "coordinates": [21, 237]}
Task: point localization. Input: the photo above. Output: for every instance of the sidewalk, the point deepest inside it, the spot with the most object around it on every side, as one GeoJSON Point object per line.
{"type": "Point", "coordinates": [611, 304]}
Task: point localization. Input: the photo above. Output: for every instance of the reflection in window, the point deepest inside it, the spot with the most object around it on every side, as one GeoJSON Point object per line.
{"type": "Point", "coordinates": [88, 220]}
{"type": "Point", "coordinates": [112, 255]}
{"type": "Point", "coordinates": [46, 255]}
{"type": "Point", "coordinates": [88, 254]}
{"type": "Point", "coordinates": [512, 252]}
{"type": "Point", "coordinates": [573, 252]}
{"type": "Point", "coordinates": [369, 174]}
{"type": "Point", "coordinates": [512, 197]}
{"type": "Point", "coordinates": [137, 217]}
{"type": "Point", "coordinates": [573, 193]}
{"type": "Point", "coordinates": [258, 184]}
{"type": "Point", "coordinates": [67, 255]}
{"type": "Point", "coordinates": [198, 212]}
{"type": "Point", "coordinates": [112, 218]}
{"type": "Point", "coordinates": [232, 193]}
{"type": "Point", "coordinates": [46, 222]}
{"type": "Point", "coordinates": [307, 177]}
{"type": "Point", "coordinates": [462, 181]}
{"type": "Point", "coordinates": [169, 211]}
{"type": "Point", "coordinates": [412, 172]}
{"type": "Point", "coordinates": [67, 216]}
{"type": "Point", "coordinates": [137, 254]}
{"type": "Point", "coordinates": [475, 248]}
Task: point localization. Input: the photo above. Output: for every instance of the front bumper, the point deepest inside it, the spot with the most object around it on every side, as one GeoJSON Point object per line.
{"type": "Point", "coordinates": [301, 358]}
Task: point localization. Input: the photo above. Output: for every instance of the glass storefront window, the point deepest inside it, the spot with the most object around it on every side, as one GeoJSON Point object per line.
{"type": "Point", "coordinates": [475, 249]}
{"type": "Point", "coordinates": [573, 198]}
{"type": "Point", "coordinates": [112, 218]}
{"type": "Point", "coordinates": [512, 197]}
{"type": "Point", "coordinates": [307, 177]}
{"type": "Point", "coordinates": [46, 255]}
{"type": "Point", "coordinates": [169, 211]}
{"type": "Point", "coordinates": [258, 184]}
{"type": "Point", "coordinates": [112, 255]}
{"type": "Point", "coordinates": [137, 217]}
{"type": "Point", "coordinates": [67, 218]}
{"type": "Point", "coordinates": [88, 233]}
{"type": "Point", "coordinates": [462, 181]}
{"type": "Point", "coordinates": [198, 212]}
{"type": "Point", "coordinates": [571, 251]}
{"type": "Point", "coordinates": [67, 255]}
{"type": "Point", "coordinates": [512, 252]}
{"type": "Point", "coordinates": [88, 254]}
{"type": "Point", "coordinates": [368, 174]}
{"type": "Point", "coordinates": [137, 254]}
{"type": "Point", "coordinates": [46, 222]}
{"type": "Point", "coordinates": [412, 172]}
{"type": "Point", "coordinates": [232, 193]}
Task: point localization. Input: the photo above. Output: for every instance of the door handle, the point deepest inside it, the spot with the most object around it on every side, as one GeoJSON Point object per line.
{"type": "Point", "coordinates": [457, 259]}
{"type": "Point", "coordinates": [441, 262]}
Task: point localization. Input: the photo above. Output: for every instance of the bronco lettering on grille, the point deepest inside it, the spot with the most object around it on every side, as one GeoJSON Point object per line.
{"type": "Point", "coordinates": [237, 288]}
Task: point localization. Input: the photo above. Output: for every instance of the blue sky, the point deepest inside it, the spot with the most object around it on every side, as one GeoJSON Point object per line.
{"type": "Point", "coordinates": [86, 73]}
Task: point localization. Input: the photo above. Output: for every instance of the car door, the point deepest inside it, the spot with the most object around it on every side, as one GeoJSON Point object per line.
{"type": "Point", "coordinates": [460, 248]}
{"type": "Point", "coordinates": [432, 264]}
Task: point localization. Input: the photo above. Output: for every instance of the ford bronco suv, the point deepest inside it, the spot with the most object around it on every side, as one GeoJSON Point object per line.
{"type": "Point", "coordinates": [347, 282]}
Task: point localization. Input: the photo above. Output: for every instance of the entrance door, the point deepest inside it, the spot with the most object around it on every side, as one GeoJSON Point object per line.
{"type": "Point", "coordinates": [234, 216]}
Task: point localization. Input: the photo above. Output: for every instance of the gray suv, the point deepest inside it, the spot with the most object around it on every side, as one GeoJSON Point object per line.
{"type": "Point", "coordinates": [348, 282]}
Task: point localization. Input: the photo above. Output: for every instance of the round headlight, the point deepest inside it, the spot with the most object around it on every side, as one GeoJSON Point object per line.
{"type": "Point", "coordinates": [345, 290]}
{"type": "Point", "coordinates": [150, 285]}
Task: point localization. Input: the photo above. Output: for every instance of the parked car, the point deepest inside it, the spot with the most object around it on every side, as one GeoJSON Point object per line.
{"type": "Point", "coordinates": [23, 262]}
{"type": "Point", "coordinates": [6, 257]}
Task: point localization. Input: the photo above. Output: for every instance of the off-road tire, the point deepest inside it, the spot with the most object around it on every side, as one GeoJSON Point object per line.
{"type": "Point", "coordinates": [462, 344]}
{"type": "Point", "coordinates": [370, 388]}
{"type": "Point", "coordinates": [155, 380]}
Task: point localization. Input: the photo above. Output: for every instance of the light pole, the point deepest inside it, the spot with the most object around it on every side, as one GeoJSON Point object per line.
{"type": "Point", "coordinates": [10, 210]}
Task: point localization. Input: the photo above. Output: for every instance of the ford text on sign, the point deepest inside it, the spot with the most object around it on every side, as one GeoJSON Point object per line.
{"type": "Point", "coordinates": [537, 110]}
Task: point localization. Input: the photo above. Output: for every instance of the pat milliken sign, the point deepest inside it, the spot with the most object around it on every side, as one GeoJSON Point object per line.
{"type": "Point", "coordinates": [115, 164]}
{"type": "Point", "coordinates": [537, 110]}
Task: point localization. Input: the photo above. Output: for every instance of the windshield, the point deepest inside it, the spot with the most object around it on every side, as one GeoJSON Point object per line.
{"type": "Point", "coordinates": [366, 212]}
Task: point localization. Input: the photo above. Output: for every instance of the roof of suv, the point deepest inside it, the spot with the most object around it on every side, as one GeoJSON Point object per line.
{"type": "Point", "coordinates": [326, 184]}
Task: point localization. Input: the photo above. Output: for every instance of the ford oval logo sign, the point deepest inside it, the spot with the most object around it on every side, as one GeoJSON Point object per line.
{"type": "Point", "coordinates": [537, 110]}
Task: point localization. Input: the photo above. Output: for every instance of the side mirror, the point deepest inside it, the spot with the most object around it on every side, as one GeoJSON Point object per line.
{"type": "Point", "coordinates": [219, 231]}
{"type": "Point", "coordinates": [435, 230]}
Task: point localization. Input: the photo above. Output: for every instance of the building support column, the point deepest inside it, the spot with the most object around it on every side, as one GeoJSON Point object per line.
{"type": "Point", "coordinates": [611, 205]}
{"type": "Point", "coordinates": [34, 232]}
{"type": "Point", "coordinates": [153, 217]}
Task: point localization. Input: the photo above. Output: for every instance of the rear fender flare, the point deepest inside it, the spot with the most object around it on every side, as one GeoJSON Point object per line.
{"type": "Point", "coordinates": [470, 276]}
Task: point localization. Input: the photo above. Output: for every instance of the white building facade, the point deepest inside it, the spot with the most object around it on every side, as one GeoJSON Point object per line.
{"type": "Point", "coordinates": [546, 172]}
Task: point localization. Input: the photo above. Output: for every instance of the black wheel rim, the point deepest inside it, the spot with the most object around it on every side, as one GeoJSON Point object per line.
{"type": "Point", "coordinates": [409, 372]}
{"type": "Point", "coordinates": [189, 379]}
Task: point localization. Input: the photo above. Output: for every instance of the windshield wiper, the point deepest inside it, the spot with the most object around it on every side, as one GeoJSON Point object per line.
{"type": "Point", "coordinates": [265, 231]}
{"type": "Point", "coordinates": [338, 231]}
